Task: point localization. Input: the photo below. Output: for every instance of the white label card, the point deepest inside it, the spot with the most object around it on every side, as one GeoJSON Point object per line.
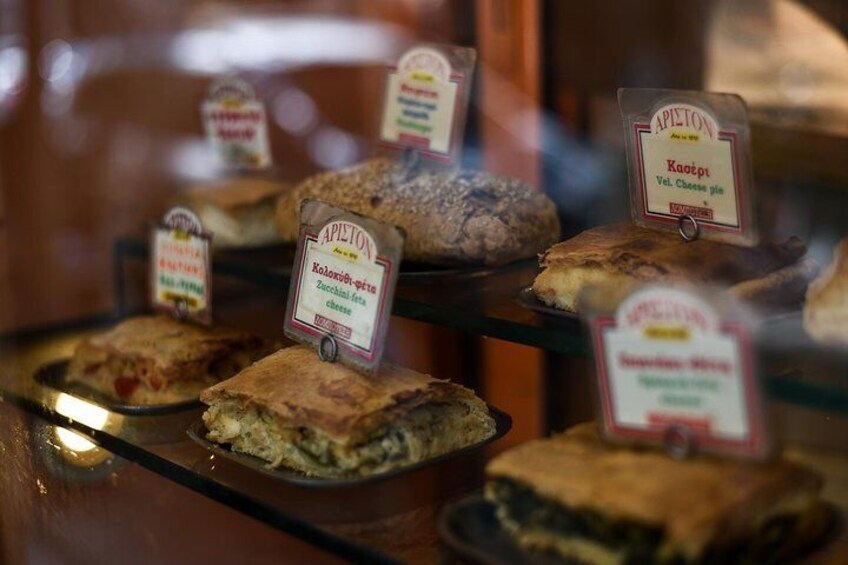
{"type": "Point", "coordinates": [180, 270]}
{"type": "Point", "coordinates": [421, 107]}
{"type": "Point", "coordinates": [664, 360]}
{"type": "Point", "coordinates": [343, 284]}
{"type": "Point", "coordinates": [235, 124]}
{"type": "Point", "coordinates": [687, 158]}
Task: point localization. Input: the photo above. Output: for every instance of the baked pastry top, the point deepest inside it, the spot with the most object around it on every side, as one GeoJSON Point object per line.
{"type": "Point", "coordinates": [826, 307]}
{"type": "Point", "coordinates": [156, 359]}
{"type": "Point", "coordinates": [326, 419]}
{"type": "Point", "coordinates": [449, 217]}
{"type": "Point", "coordinates": [624, 254]}
{"type": "Point", "coordinates": [691, 509]}
{"type": "Point", "coordinates": [240, 211]}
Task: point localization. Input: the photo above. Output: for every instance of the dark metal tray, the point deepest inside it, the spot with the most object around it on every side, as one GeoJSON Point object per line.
{"type": "Point", "coordinates": [527, 298]}
{"type": "Point", "coordinates": [280, 258]}
{"type": "Point", "coordinates": [197, 432]}
{"type": "Point", "coordinates": [54, 375]}
{"type": "Point", "coordinates": [471, 529]}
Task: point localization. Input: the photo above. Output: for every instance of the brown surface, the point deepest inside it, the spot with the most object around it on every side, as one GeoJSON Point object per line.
{"type": "Point", "coordinates": [509, 41]}
{"type": "Point", "coordinates": [54, 512]}
{"type": "Point", "coordinates": [698, 501]}
{"type": "Point", "coordinates": [302, 390]}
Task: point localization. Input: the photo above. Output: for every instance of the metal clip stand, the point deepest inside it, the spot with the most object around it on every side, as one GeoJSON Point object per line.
{"type": "Point", "coordinates": [681, 228]}
{"type": "Point", "coordinates": [328, 349]}
{"type": "Point", "coordinates": [411, 162]}
{"type": "Point", "coordinates": [180, 309]}
{"type": "Point", "coordinates": [679, 442]}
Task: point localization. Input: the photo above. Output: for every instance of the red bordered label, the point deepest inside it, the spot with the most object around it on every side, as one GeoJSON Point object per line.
{"type": "Point", "coordinates": [686, 164]}
{"type": "Point", "coordinates": [235, 124]}
{"type": "Point", "coordinates": [343, 286]}
{"type": "Point", "coordinates": [422, 105]}
{"type": "Point", "coordinates": [666, 360]}
{"type": "Point", "coordinates": [180, 270]}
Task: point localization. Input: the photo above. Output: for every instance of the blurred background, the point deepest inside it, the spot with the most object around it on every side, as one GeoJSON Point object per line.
{"type": "Point", "coordinates": [100, 130]}
{"type": "Point", "coordinates": [99, 118]}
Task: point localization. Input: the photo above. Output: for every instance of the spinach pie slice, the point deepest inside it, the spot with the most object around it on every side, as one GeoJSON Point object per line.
{"type": "Point", "coordinates": [324, 419]}
{"type": "Point", "coordinates": [576, 496]}
{"type": "Point", "coordinates": [149, 360]}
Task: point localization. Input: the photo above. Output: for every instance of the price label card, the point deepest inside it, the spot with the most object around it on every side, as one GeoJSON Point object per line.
{"type": "Point", "coordinates": [343, 283]}
{"type": "Point", "coordinates": [235, 125]}
{"type": "Point", "coordinates": [426, 102]}
{"type": "Point", "coordinates": [180, 269]}
{"type": "Point", "coordinates": [689, 157]}
{"type": "Point", "coordinates": [669, 366]}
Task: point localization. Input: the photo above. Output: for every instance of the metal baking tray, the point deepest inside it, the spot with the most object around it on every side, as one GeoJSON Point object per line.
{"type": "Point", "coordinates": [422, 273]}
{"type": "Point", "coordinates": [54, 375]}
{"type": "Point", "coordinates": [470, 528]}
{"type": "Point", "coordinates": [280, 258]}
{"type": "Point", "coordinates": [527, 298]}
{"type": "Point", "coordinates": [197, 432]}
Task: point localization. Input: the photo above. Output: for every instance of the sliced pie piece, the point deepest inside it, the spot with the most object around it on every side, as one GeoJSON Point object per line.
{"type": "Point", "coordinates": [826, 308]}
{"type": "Point", "coordinates": [624, 254]}
{"type": "Point", "coordinates": [576, 496]}
{"type": "Point", "coordinates": [327, 420]}
{"type": "Point", "coordinates": [157, 360]}
{"type": "Point", "coordinates": [240, 211]}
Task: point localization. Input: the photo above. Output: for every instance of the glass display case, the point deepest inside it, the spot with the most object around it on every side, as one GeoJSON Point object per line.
{"type": "Point", "coordinates": [102, 131]}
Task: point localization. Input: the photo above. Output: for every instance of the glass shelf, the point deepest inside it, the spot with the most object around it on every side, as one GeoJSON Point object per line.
{"type": "Point", "coordinates": [386, 521]}
{"type": "Point", "coordinates": [486, 303]}
{"type": "Point", "coordinates": [349, 521]}
{"type": "Point", "coordinates": [478, 301]}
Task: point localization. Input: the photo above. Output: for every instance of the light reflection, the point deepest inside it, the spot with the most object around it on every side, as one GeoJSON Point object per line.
{"type": "Point", "coordinates": [332, 148]}
{"type": "Point", "coordinates": [55, 60]}
{"type": "Point", "coordinates": [79, 411]}
{"type": "Point", "coordinates": [13, 62]}
{"type": "Point", "coordinates": [192, 160]}
{"type": "Point", "coordinates": [73, 441]}
{"type": "Point", "coordinates": [283, 41]}
{"type": "Point", "coordinates": [294, 111]}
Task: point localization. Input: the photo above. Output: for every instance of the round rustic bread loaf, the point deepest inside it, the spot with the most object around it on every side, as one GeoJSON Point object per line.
{"type": "Point", "coordinates": [449, 217]}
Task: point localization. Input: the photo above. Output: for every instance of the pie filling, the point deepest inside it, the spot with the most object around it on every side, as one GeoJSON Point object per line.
{"type": "Point", "coordinates": [537, 522]}
{"type": "Point", "coordinates": [137, 380]}
{"type": "Point", "coordinates": [426, 431]}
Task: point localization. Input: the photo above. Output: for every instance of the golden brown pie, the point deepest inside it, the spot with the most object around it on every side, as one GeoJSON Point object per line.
{"type": "Point", "coordinates": [239, 212]}
{"type": "Point", "coordinates": [327, 420]}
{"type": "Point", "coordinates": [579, 497]}
{"type": "Point", "coordinates": [158, 360]}
{"type": "Point", "coordinates": [826, 307]}
{"type": "Point", "coordinates": [622, 255]}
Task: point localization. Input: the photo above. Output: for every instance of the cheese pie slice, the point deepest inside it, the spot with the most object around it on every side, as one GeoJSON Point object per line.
{"type": "Point", "coordinates": [622, 255]}
{"type": "Point", "coordinates": [327, 420]}
{"type": "Point", "coordinates": [157, 360]}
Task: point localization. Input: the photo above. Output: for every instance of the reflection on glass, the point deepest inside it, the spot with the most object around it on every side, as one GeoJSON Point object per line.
{"type": "Point", "coordinates": [80, 411]}
{"type": "Point", "coordinates": [74, 441]}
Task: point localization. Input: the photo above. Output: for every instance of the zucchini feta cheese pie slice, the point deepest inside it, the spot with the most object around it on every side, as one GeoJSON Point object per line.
{"type": "Point", "coordinates": [327, 420]}
{"type": "Point", "coordinates": [576, 496]}
{"type": "Point", "coordinates": [149, 360]}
